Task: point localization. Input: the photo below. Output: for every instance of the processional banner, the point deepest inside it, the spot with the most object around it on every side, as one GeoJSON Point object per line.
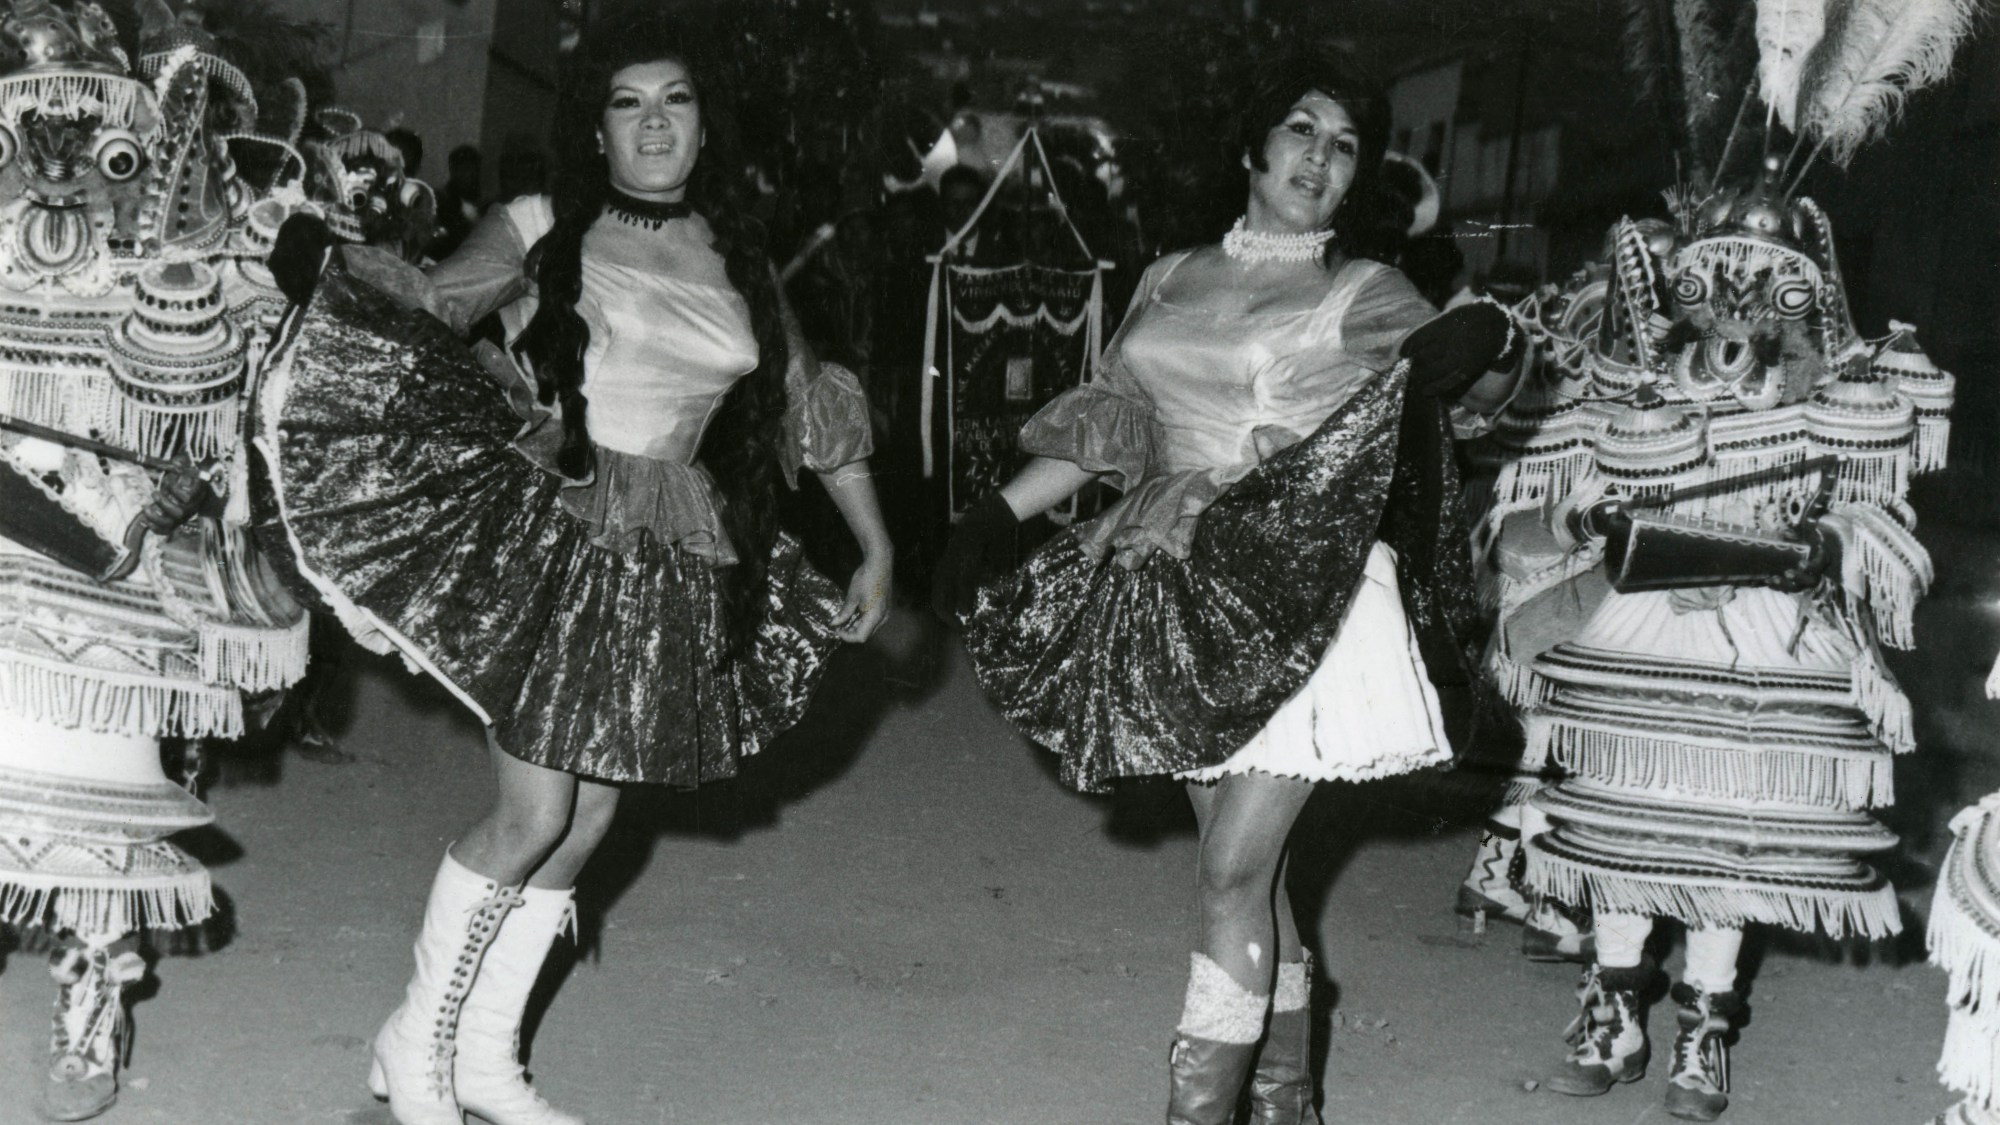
{"type": "Point", "coordinates": [1017, 337]}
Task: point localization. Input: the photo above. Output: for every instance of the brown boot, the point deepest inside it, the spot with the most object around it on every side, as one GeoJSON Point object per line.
{"type": "Point", "coordinates": [1281, 1085]}
{"type": "Point", "coordinates": [1220, 1025]}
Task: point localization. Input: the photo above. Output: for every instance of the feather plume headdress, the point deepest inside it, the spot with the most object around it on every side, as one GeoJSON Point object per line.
{"type": "Point", "coordinates": [1787, 33]}
{"type": "Point", "coordinates": [1694, 59]}
{"type": "Point", "coordinates": [1874, 54]}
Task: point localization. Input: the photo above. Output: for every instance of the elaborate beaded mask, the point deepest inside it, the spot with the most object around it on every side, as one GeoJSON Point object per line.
{"type": "Point", "coordinates": [1758, 302]}
{"type": "Point", "coordinates": [75, 127]}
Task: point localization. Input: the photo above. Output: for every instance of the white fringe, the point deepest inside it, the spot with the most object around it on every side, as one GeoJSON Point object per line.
{"type": "Point", "coordinates": [1518, 683]}
{"type": "Point", "coordinates": [1886, 568]}
{"type": "Point", "coordinates": [1966, 948]}
{"type": "Point", "coordinates": [1993, 681]}
{"type": "Point", "coordinates": [1520, 789]}
{"type": "Point", "coordinates": [1869, 914]}
{"type": "Point", "coordinates": [1877, 694]}
{"type": "Point", "coordinates": [1933, 442]}
{"type": "Point", "coordinates": [1642, 762]}
{"type": "Point", "coordinates": [204, 432]}
{"type": "Point", "coordinates": [254, 657]}
{"type": "Point", "coordinates": [1878, 479]}
{"type": "Point", "coordinates": [1531, 480]}
{"type": "Point", "coordinates": [167, 904]}
{"type": "Point", "coordinates": [61, 400]}
{"type": "Point", "coordinates": [70, 695]}
{"type": "Point", "coordinates": [1970, 1059]}
{"type": "Point", "coordinates": [115, 98]}
{"type": "Point", "coordinates": [1969, 1111]}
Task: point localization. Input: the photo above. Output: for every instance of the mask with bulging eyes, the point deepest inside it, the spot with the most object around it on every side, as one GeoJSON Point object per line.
{"type": "Point", "coordinates": [1749, 309]}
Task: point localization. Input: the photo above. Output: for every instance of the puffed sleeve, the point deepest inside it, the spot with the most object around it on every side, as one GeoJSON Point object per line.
{"type": "Point", "coordinates": [1105, 425]}
{"type": "Point", "coordinates": [487, 272]}
{"type": "Point", "coordinates": [827, 423]}
{"type": "Point", "coordinates": [1385, 310]}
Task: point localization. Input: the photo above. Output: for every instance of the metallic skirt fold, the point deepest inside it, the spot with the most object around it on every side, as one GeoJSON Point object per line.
{"type": "Point", "coordinates": [1174, 664]}
{"type": "Point", "coordinates": [396, 493]}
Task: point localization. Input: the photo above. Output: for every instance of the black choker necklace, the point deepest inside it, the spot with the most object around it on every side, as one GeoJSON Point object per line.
{"type": "Point", "coordinates": [649, 213]}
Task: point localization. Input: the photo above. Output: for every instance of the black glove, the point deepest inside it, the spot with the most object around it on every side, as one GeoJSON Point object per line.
{"type": "Point", "coordinates": [981, 546]}
{"type": "Point", "coordinates": [299, 254]}
{"type": "Point", "coordinates": [181, 493]}
{"type": "Point", "coordinates": [1450, 351]}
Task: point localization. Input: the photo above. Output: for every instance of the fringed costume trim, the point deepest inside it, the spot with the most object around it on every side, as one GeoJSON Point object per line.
{"type": "Point", "coordinates": [73, 695]}
{"type": "Point", "coordinates": [1881, 698]}
{"type": "Point", "coordinates": [254, 658]}
{"type": "Point", "coordinates": [1630, 759]}
{"type": "Point", "coordinates": [1704, 901]}
{"type": "Point", "coordinates": [1885, 568]}
{"type": "Point", "coordinates": [1518, 683]}
{"type": "Point", "coordinates": [102, 889]}
{"type": "Point", "coordinates": [1970, 1060]}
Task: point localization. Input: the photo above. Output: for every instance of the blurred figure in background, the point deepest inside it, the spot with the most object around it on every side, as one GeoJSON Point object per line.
{"type": "Point", "coordinates": [460, 203]}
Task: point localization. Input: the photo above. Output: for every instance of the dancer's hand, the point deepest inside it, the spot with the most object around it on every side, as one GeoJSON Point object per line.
{"type": "Point", "coordinates": [868, 597]}
{"type": "Point", "coordinates": [299, 254]}
{"type": "Point", "coordinates": [182, 491]}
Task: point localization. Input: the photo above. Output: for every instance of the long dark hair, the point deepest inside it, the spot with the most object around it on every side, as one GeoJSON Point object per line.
{"type": "Point", "coordinates": [1366, 224]}
{"type": "Point", "coordinates": [740, 447]}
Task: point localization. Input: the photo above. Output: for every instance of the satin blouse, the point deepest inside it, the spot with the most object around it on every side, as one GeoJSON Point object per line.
{"type": "Point", "coordinates": [1187, 401]}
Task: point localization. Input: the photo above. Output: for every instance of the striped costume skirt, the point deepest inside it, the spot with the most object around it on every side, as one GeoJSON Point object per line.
{"type": "Point", "coordinates": [1721, 756]}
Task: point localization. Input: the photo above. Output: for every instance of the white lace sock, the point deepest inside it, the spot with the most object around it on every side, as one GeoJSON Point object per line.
{"type": "Point", "coordinates": [1294, 986]}
{"type": "Point", "coordinates": [1217, 1008]}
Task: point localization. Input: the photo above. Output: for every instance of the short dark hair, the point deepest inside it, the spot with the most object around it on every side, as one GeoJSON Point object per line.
{"type": "Point", "coordinates": [1366, 222]}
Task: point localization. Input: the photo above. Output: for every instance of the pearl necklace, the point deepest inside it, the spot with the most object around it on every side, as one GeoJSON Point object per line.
{"type": "Point", "coordinates": [1258, 246]}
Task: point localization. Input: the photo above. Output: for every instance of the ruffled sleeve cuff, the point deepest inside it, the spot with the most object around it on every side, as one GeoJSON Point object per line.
{"type": "Point", "coordinates": [827, 424]}
{"type": "Point", "coordinates": [394, 278]}
{"type": "Point", "coordinates": [1159, 514]}
{"type": "Point", "coordinates": [1096, 429]}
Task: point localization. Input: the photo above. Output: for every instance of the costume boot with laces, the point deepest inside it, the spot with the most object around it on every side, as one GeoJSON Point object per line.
{"type": "Point", "coordinates": [489, 1078]}
{"type": "Point", "coordinates": [1698, 1089]}
{"type": "Point", "coordinates": [1555, 932]}
{"type": "Point", "coordinates": [1220, 1025]}
{"type": "Point", "coordinates": [1608, 1037]}
{"type": "Point", "coordinates": [1491, 890]}
{"type": "Point", "coordinates": [412, 1063]}
{"type": "Point", "coordinates": [86, 1043]}
{"type": "Point", "coordinates": [1281, 1085]}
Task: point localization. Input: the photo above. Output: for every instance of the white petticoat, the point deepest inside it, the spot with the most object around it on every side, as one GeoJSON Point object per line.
{"type": "Point", "coordinates": [1368, 711]}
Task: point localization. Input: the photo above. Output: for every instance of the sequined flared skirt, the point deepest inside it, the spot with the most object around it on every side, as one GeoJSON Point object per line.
{"type": "Point", "coordinates": [397, 492]}
{"type": "Point", "coordinates": [1173, 664]}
